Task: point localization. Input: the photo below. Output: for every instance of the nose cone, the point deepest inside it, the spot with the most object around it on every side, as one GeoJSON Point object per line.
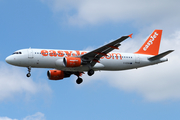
{"type": "Point", "coordinates": [9, 59]}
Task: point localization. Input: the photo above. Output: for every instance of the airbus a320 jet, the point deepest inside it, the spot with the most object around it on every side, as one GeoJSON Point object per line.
{"type": "Point", "coordinates": [64, 63]}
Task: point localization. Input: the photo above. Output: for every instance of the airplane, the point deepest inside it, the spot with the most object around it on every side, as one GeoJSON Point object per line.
{"type": "Point", "coordinates": [64, 63]}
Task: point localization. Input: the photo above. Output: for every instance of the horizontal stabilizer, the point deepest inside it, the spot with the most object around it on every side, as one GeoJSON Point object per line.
{"type": "Point", "coordinates": [160, 55]}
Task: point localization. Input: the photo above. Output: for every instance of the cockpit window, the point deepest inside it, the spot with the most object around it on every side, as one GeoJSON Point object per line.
{"type": "Point", "coordinates": [17, 53]}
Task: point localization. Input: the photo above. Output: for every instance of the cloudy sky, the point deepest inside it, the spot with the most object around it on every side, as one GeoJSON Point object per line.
{"type": "Point", "coordinates": [147, 93]}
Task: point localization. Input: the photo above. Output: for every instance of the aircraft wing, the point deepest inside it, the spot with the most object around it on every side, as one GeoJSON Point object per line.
{"type": "Point", "coordinates": [95, 55]}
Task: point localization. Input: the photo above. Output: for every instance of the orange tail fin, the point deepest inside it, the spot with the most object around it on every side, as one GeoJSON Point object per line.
{"type": "Point", "coordinates": [152, 44]}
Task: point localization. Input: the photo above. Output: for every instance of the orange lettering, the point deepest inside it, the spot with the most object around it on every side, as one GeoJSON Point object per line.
{"type": "Point", "coordinates": [60, 53]}
{"type": "Point", "coordinates": [68, 53]}
{"type": "Point", "coordinates": [73, 54]}
{"type": "Point", "coordinates": [78, 53]}
{"type": "Point", "coordinates": [44, 52]}
{"type": "Point", "coordinates": [108, 56]}
{"type": "Point", "coordinates": [52, 53]}
{"type": "Point", "coordinates": [82, 53]}
{"type": "Point", "coordinates": [116, 55]}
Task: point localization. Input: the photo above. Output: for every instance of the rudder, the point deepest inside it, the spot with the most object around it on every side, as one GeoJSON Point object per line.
{"type": "Point", "coordinates": [152, 44]}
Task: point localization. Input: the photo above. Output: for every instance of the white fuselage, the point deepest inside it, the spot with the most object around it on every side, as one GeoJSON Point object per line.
{"type": "Point", "coordinates": [35, 58]}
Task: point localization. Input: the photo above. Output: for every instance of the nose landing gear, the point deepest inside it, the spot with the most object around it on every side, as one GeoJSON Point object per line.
{"type": "Point", "coordinates": [29, 72]}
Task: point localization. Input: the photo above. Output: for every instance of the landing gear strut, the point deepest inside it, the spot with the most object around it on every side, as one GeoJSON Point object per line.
{"type": "Point", "coordinates": [90, 72]}
{"type": "Point", "coordinates": [29, 72]}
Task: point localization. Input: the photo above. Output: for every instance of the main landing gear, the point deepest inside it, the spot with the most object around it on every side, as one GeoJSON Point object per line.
{"type": "Point", "coordinates": [29, 72]}
{"type": "Point", "coordinates": [80, 80]}
{"type": "Point", "coordinates": [90, 72]}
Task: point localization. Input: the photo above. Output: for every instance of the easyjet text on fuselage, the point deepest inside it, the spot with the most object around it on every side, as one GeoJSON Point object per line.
{"type": "Point", "coordinates": [61, 53]}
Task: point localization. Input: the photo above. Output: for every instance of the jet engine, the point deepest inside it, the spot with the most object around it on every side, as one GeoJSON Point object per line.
{"type": "Point", "coordinates": [72, 62]}
{"type": "Point", "coordinates": [57, 74]}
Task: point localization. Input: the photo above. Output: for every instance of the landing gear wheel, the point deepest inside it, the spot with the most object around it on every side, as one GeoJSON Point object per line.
{"type": "Point", "coordinates": [90, 72]}
{"type": "Point", "coordinates": [28, 75]}
{"type": "Point", "coordinates": [79, 80]}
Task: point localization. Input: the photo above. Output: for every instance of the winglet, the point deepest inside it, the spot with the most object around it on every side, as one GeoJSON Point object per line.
{"type": "Point", "coordinates": [130, 35]}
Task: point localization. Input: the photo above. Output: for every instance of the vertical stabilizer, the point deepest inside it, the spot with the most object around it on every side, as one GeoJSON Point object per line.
{"type": "Point", "coordinates": [152, 44]}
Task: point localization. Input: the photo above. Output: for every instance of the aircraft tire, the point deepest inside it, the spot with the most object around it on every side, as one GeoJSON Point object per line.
{"type": "Point", "coordinates": [79, 80]}
{"type": "Point", "coordinates": [28, 75]}
{"type": "Point", "coordinates": [90, 72]}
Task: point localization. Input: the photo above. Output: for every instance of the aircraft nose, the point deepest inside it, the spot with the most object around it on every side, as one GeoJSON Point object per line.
{"type": "Point", "coordinates": [9, 59]}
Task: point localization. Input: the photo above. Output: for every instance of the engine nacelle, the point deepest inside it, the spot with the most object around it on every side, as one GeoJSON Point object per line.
{"type": "Point", "coordinates": [72, 62]}
{"type": "Point", "coordinates": [59, 63]}
{"type": "Point", "coordinates": [57, 74]}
